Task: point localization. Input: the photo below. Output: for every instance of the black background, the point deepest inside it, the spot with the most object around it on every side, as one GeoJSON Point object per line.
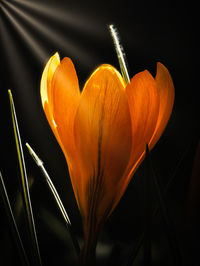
{"type": "Point", "coordinates": [165, 31]}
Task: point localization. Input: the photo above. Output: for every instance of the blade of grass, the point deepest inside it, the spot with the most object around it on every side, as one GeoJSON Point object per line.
{"type": "Point", "coordinates": [147, 211]}
{"type": "Point", "coordinates": [36, 259]}
{"type": "Point", "coordinates": [12, 223]}
{"type": "Point", "coordinates": [120, 52]}
{"type": "Point", "coordinates": [56, 197]}
{"type": "Point", "coordinates": [140, 240]}
{"type": "Point", "coordinates": [170, 232]}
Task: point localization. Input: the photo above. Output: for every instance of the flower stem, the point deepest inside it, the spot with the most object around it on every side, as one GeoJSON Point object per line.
{"type": "Point", "coordinates": [88, 253]}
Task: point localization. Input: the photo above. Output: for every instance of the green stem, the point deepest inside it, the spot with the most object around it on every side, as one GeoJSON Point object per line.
{"type": "Point", "coordinates": [88, 253]}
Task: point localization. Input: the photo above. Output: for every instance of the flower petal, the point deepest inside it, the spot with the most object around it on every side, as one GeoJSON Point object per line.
{"type": "Point", "coordinates": [143, 102]}
{"type": "Point", "coordinates": [60, 95]}
{"type": "Point", "coordinates": [166, 94]}
{"type": "Point", "coordinates": [65, 99]}
{"type": "Point", "coordinates": [103, 140]}
{"type": "Point", "coordinates": [46, 91]}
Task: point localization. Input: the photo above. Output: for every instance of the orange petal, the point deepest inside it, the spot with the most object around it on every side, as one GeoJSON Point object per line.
{"type": "Point", "coordinates": [166, 94]}
{"type": "Point", "coordinates": [65, 97]}
{"type": "Point", "coordinates": [45, 91]}
{"type": "Point", "coordinates": [60, 95]}
{"type": "Point", "coordinates": [143, 102]}
{"type": "Point", "coordinates": [103, 139]}
{"type": "Point", "coordinates": [46, 79]}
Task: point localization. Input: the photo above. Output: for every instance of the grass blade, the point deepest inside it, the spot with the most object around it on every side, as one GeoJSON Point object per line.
{"type": "Point", "coordinates": [120, 52]}
{"type": "Point", "coordinates": [12, 224]}
{"type": "Point", "coordinates": [170, 232]}
{"type": "Point", "coordinates": [140, 240]}
{"type": "Point", "coordinates": [56, 196]}
{"type": "Point", "coordinates": [147, 211]}
{"type": "Point", "coordinates": [36, 259]}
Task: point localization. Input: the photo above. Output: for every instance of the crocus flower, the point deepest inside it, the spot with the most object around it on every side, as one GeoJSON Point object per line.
{"type": "Point", "coordinates": [103, 130]}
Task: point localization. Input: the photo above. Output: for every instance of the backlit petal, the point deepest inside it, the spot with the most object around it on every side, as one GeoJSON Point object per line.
{"type": "Point", "coordinates": [166, 94]}
{"type": "Point", "coordinates": [47, 75]}
{"type": "Point", "coordinates": [60, 95]}
{"type": "Point", "coordinates": [45, 91]}
{"type": "Point", "coordinates": [103, 140]}
{"type": "Point", "coordinates": [65, 99]}
{"type": "Point", "coordinates": [143, 102]}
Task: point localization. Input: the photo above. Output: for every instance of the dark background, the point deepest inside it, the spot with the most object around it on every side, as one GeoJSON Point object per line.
{"type": "Point", "coordinates": [165, 31]}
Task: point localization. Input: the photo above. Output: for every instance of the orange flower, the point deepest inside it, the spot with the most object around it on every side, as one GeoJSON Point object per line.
{"type": "Point", "coordinates": [103, 130]}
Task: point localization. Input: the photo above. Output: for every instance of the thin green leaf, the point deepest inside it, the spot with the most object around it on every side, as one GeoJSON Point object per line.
{"type": "Point", "coordinates": [147, 211]}
{"type": "Point", "coordinates": [140, 240]}
{"type": "Point", "coordinates": [120, 52]}
{"type": "Point", "coordinates": [36, 259]}
{"type": "Point", "coordinates": [12, 224]}
{"type": "Point", "coordinates": [170, 232]}
{"type": "Point", "coordinates": [56, 197]}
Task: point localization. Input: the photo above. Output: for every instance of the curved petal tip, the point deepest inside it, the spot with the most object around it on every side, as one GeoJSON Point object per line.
{"type": "Point", "coordinates": [47, 74]}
